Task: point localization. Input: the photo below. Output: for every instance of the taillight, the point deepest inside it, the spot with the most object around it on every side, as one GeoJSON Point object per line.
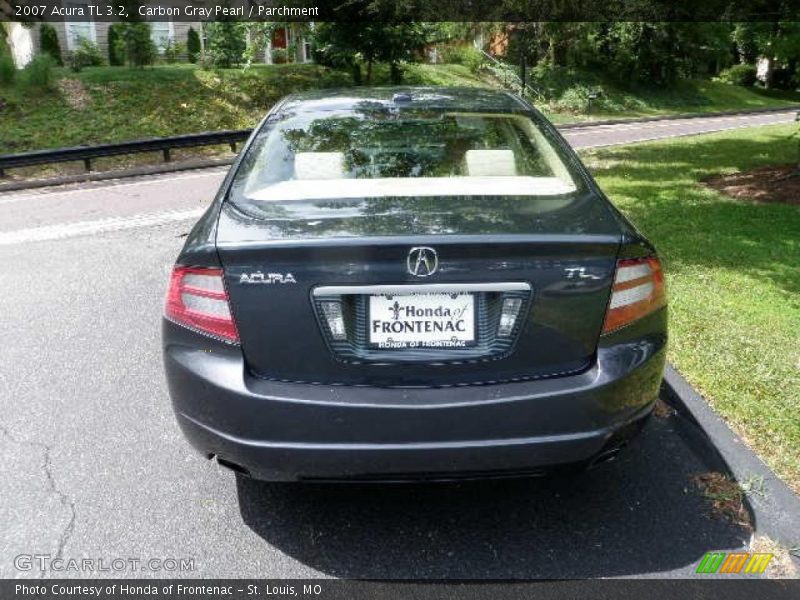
{"type": "Point", "coordinates": [638, 291]}
{"type": "Point", "coordinates": [197, 299]}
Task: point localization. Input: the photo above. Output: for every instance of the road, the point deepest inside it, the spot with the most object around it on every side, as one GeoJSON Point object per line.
{"type": "Point", "coordinates": [94, 465]}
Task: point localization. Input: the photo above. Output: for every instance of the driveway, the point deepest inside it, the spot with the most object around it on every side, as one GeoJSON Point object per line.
{"type": "Point", "coordinates": [94, 465]}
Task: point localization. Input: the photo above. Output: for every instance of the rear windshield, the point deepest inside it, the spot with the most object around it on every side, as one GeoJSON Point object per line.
{"type": "Point", "coordinates": [400, 153]}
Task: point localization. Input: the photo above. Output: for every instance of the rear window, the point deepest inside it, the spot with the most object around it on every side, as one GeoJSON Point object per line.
{"type": "Point", "coordinates": [400, 153]}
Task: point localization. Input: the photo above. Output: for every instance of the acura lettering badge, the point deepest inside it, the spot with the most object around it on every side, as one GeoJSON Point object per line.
{"type": "Point", "coordinates": [422, 261]}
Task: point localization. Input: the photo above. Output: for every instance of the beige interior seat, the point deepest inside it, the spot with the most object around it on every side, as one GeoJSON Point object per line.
{"type": "Point", "coordinates": [490, 163]}
{"type": "Point", "coordinates": [319, 165]}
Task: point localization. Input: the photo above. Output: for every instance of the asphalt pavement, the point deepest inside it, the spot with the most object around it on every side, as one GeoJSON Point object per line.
{"type": "Point", "coordinates": [94, 466]}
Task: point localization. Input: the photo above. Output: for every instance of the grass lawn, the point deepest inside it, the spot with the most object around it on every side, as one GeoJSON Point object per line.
{"type": "Point", "coordinates": [117, 103]}
{"type": "Point", "coordinates": [733, 276]}
{"type": "Point", "coordinates": [564, 92]}
{"type": "Point", "coordinates": [125, 104]}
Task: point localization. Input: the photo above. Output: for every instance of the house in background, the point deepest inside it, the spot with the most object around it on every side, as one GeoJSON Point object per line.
{"type": "Point", "coordinates": [71, 32]}
{"type": "Point", "coordinates": [287, 44]}
{"type": "Point", "coordinates": [291, 39]}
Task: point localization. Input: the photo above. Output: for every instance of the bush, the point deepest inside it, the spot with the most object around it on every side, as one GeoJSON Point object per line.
{"type": "Point", "coordinates": [39, 72]}
{"type": "Point", "coordinates": [226, 43]}
{"type": "Point", "coordinates": [742, 75]}
{"type": "Point", "coordinates": [140, 50]}
{"type": "Point", "coordinates": [87, 54]}
{"type": "Point", "coordinates": [463, 54]}
{"type": "Point", "coordinates": [116, 46]}
{"type": "Point", "coordinates": [8, 71]}
{"type": "Point", "coordinates": [581, 98]}
{"type": "Point", "coordinates": [193, 45]}
{"type": "Point", "coordinates": [784, 79]}
{"type": "Point", "coordinates": [172, 51]}
{"type": "Point", "coordinates": [280, 56]}
{"type": "Point", "coordinates": [48, 42]}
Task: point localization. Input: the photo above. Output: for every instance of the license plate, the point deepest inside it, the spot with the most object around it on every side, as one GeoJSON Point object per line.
{"type": "Point", "coordinates": [421, 321]}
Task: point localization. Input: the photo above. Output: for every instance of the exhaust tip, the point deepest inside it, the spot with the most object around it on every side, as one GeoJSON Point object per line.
{"type": "Point", "coordinates": [607, 456]}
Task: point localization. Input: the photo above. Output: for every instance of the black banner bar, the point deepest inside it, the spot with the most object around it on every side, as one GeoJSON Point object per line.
{"type": "Point", "coordinates": [327, 589]}
{"type": "Point", "coordinates": [402, 10]}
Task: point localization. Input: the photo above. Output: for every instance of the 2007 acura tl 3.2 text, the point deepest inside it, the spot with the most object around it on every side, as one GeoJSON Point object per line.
{"type": "Point", "coordinates": [416, 283]}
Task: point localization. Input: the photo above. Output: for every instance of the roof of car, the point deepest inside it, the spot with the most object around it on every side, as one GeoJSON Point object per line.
{"type": "Point", "coordinates": [443, 98]}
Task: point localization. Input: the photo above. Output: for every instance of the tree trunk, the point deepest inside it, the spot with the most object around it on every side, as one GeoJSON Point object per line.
{"type": "Point", "coordinates": [395, 73]}
{"type": "Point", "coordinates": [369, 72]}
{"type": "Point", "coordinates": [769, 73]}
{"type": "Point", "coordinates": [356, 72]}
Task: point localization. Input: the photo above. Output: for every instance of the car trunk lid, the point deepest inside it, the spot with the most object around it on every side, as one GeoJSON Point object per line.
{"type": "Point", "coordinates": [553, 259]}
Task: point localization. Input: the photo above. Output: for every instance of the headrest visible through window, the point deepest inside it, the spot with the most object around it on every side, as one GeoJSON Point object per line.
{"type": "Point", "coordinates": [490, 163]}
{"type": "Point", "coordinates": [319, 165]}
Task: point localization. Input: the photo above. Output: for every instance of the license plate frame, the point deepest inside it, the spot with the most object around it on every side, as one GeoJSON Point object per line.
{"type": "Point", "coordinates": [409, 306]}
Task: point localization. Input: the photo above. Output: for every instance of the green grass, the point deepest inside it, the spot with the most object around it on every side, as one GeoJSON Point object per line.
{"type": "Point", "coordinates": [169, 100]}
{"type": "Point", "coordinates": [565, 93]}
{"type": "Point", "coordinates": [733, 276]}
{"type": "Point", "coordinates": [127, 104]}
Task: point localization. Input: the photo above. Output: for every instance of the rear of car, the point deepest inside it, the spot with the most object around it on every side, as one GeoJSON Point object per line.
{"type": "Point", "coordinates": [410, 284]}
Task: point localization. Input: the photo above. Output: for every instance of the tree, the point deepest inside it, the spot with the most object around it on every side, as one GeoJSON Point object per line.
{"type": "Point", "coordinates": [348, 43]}
{"type": "Point", "coordinates": [192, 45]}
{"type": "Point", "coordinates": [226, 43]}
{"type": "Point", "coordinates": [134, 33]}
{"type": "Point", "coordinates": [48, 42]}
{"type": "Point", "coordinates": [116, 46]}
{"type": "Point", "coordinates": [140, 50]}
{"type": "Point", "coordinates": [335, 47]}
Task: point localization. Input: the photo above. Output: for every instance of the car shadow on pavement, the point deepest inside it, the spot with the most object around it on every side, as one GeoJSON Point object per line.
{"type": "Point", "coordinates": [641, 514]}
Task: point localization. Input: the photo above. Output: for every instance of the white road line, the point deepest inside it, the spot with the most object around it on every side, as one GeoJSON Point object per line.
{"type": "Point", "coordinates": [28, 196]}
{"type": "Point", "coordinates": [664, 137]}
{"type": "Point", "coordinates": [589, 129]}
{"type": "Point", "coordinates": [67, 230]}
{"type": "Point", "coordinates": [80, 228]}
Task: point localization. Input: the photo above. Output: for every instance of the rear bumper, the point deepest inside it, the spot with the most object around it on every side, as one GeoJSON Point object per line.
{"type": "Point", "coordinates": [289, 431]}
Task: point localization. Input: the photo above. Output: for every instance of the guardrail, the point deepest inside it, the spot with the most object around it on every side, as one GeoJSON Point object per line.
{"type": "Point", "coordinates": [236, 136]}
{"type": "Point", "coordinates": [88, 153]}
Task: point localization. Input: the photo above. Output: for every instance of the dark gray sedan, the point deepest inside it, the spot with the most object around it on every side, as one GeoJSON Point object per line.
{"type": "Point", "coordinates": [415, 283]}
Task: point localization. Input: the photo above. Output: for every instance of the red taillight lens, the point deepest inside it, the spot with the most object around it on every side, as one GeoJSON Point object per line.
{"type": "Point", "coordinates": [197, 299]}
{"type": "Point", "coordinates": [638, 291]}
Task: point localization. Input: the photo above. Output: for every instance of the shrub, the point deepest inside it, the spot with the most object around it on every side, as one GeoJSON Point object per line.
{"type": "Point", "coordinates": [39, 72]}
{"type": "Point", "coordinates": [463, 54]}
{"type": "Point", "coordinates": [226, 43]}
{"type": "Point", "coordinates": [86, 54]}
{"type": "Point", "coordinates": [173, 51]}
{"type": "Point", "coordinates": [8, 71]}
{"type": "Point", "coordinates": [140, 50]}
{"type": "Point", "coordinates": [784, 79]}
{"type": "Point", "coordinates": [116, 46]}
{"type": "Point", "coordinates": [280, 55]}
{"type": "Point", "coordinates": [742, 75]}
{"type": "Point", "coordinates": [48, 42]}
{"type": "Point", "coordinates": [192, 45]}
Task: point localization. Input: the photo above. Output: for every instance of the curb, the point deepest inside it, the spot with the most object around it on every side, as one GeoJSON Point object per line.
{"type": "Point", "coordinates": [187, 165]}
{"type": "Point", "coordinates": [730, 113]}
{"type": "Point", "coordinates": [776, 509]}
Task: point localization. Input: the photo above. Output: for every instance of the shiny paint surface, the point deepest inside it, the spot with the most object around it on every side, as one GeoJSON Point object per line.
{"type": "Point", "coordinates": [284, 407]}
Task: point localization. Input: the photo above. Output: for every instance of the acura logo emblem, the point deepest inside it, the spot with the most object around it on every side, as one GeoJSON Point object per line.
{"type": "Point", "coordinates": [422, 261]}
